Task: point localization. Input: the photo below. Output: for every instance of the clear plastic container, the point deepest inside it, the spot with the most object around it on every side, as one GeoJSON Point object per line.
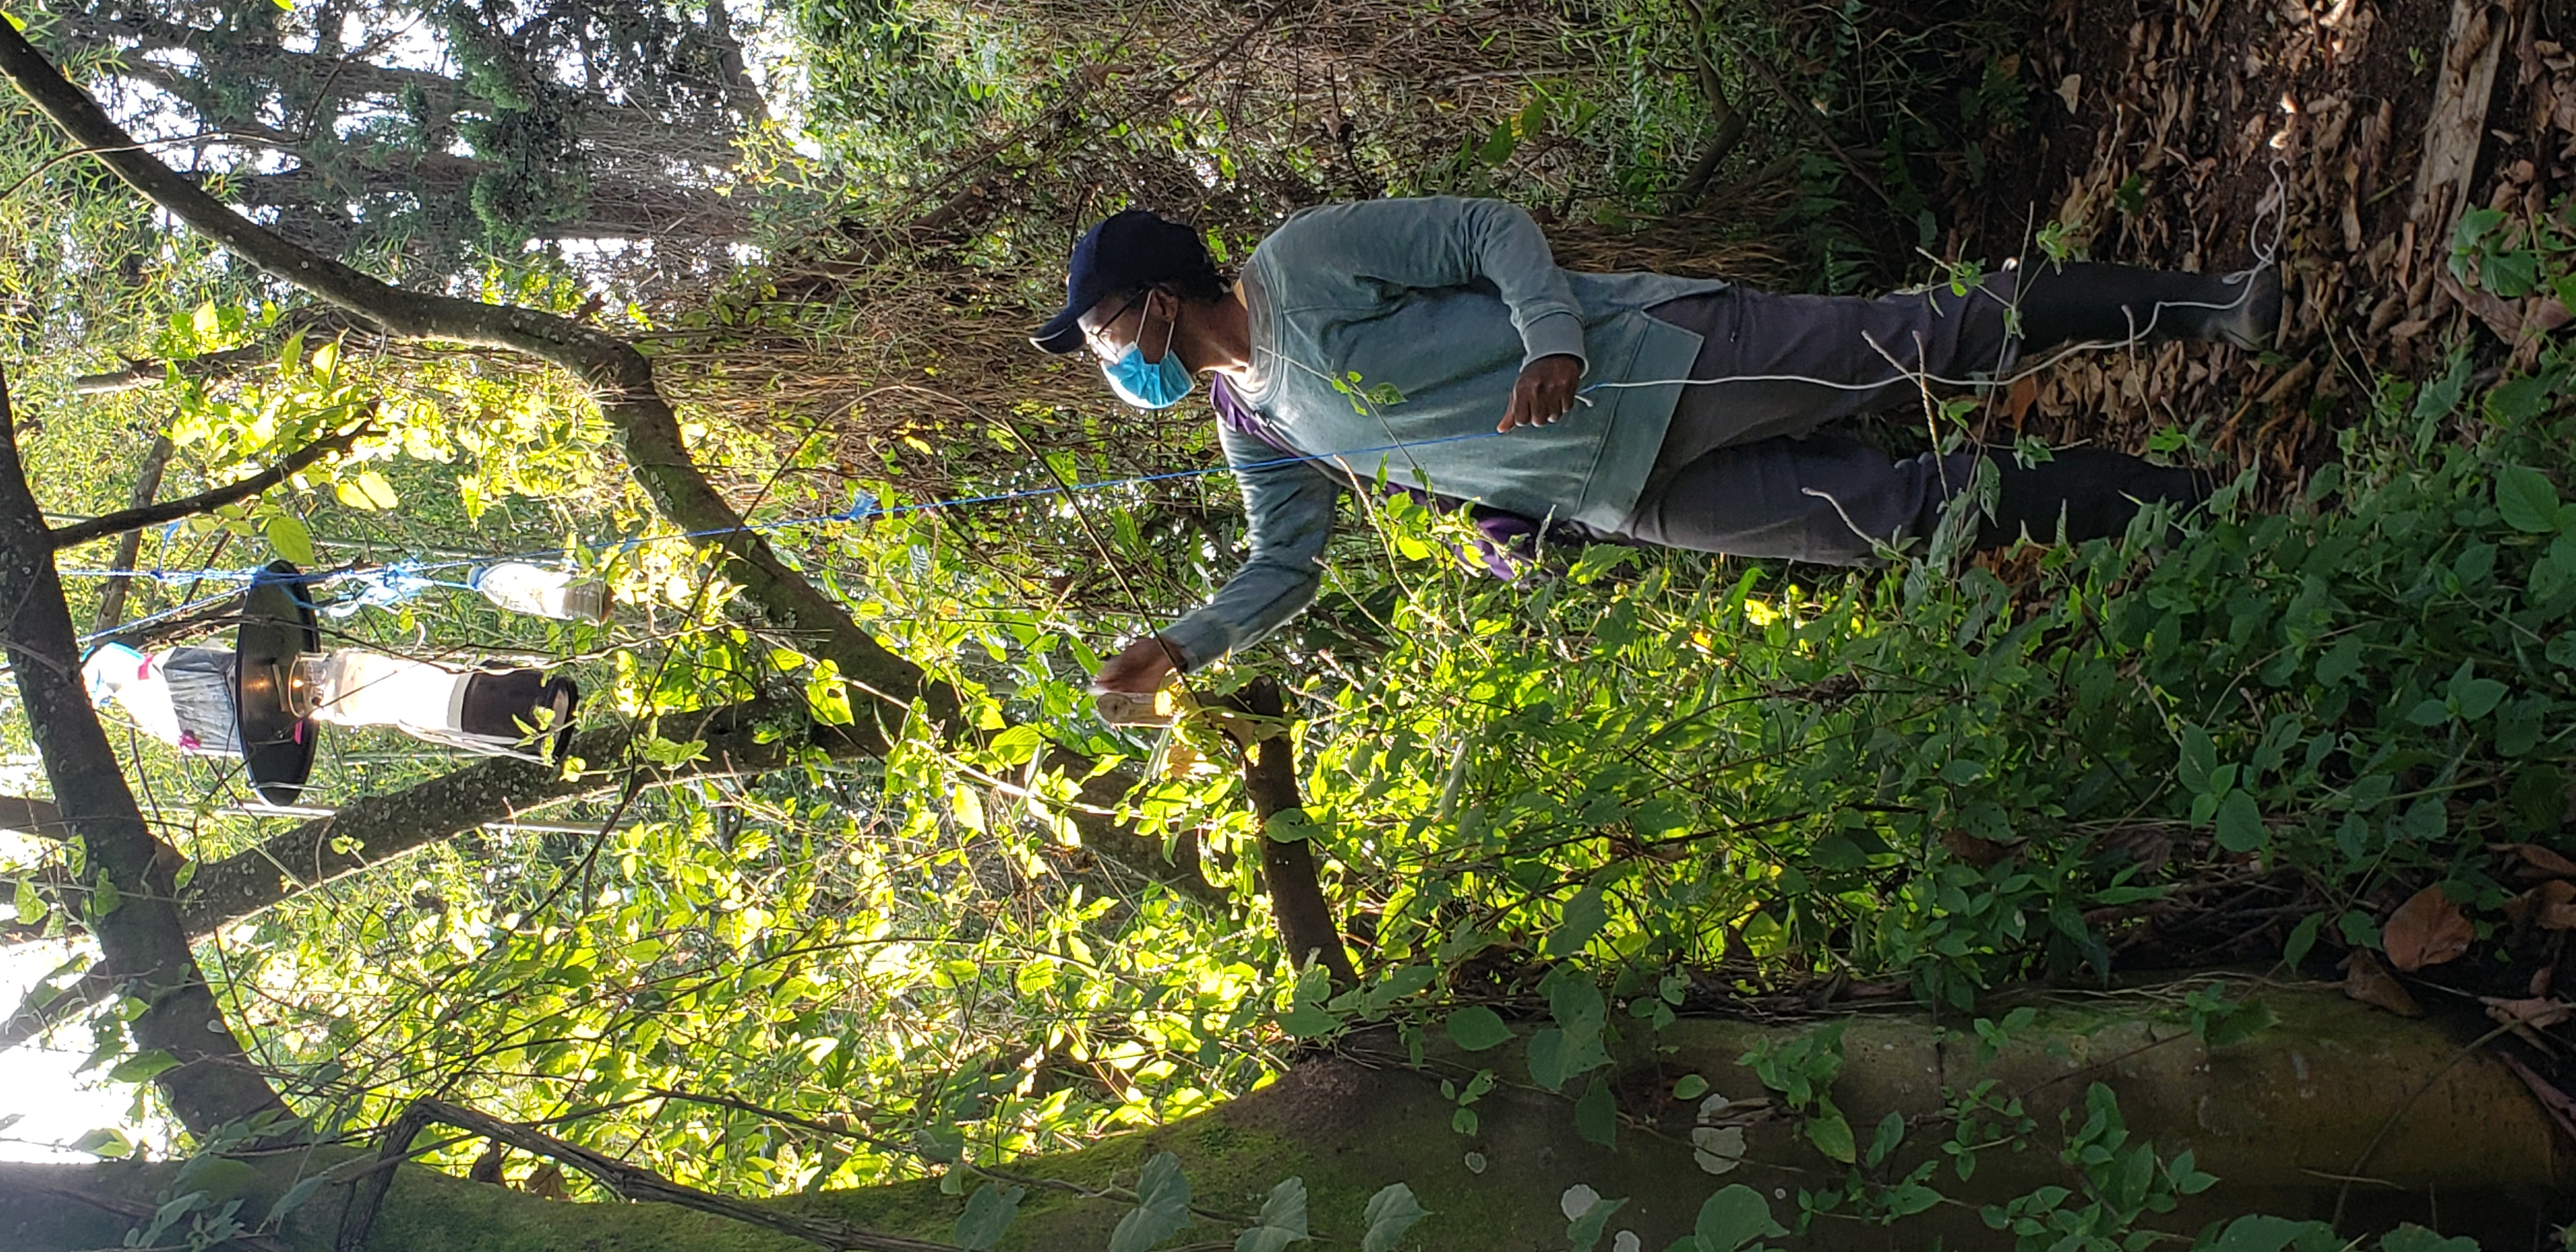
{"type": "Point", "coordinates": [542, 592]}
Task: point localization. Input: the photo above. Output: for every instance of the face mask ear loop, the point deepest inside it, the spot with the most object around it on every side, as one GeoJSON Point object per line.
{"type": "Point", "coordinates": [1171, 331]}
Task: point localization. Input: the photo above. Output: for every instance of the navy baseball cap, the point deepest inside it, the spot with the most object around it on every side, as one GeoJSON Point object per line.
{"type": "Point", "coordinates": [1131, 250]}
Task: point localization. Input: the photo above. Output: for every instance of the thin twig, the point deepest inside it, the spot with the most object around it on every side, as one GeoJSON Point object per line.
{"type": "Point", "coordinates": [214, 498]}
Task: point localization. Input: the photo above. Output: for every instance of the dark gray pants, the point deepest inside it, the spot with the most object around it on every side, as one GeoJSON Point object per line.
{"type": "Point", "coordinates": [1745, 467]}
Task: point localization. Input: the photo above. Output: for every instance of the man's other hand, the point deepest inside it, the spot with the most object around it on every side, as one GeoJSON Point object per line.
{"type": "Point", "coordinates": [1140, 668]}
{"type": "Point", "coordinates": [1545, 391]}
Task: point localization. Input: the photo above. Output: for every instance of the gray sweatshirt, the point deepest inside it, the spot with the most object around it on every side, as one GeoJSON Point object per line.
{"type": "Point", "coordinates": [1387, 333]}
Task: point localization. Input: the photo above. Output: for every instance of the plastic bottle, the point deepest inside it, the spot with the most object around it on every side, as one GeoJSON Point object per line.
{"type": "Point", "coordinates": [536, 590]}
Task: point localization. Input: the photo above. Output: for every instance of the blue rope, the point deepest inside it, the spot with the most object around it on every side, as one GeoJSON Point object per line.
{"type": "Point", "coordinates": [862, 508]}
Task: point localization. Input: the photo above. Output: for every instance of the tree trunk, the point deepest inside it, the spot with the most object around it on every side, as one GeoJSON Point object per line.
{"type": "Point", "coordinates": [132, 908]}
{"type": "Point", "coordinates": [2277, 1118]}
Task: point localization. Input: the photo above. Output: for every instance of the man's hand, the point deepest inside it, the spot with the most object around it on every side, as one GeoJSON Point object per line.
{"type": "Point", "coordinates": [1139, 669]}
{"type": "Point", "coordinates": [1544, 392]}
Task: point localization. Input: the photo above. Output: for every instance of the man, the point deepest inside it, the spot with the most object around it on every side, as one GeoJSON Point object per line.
{"type": "Point", "coordinates": [1435, 341]}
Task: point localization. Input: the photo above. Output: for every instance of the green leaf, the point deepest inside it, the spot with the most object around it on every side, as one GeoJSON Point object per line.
{"type": "Point", "coordinates": [1391, 1212]}
{"type": "Point", "coordinates": [988, 1213]}
{"type": "Point", "coordinates": [827, 696]}
{"type": "Point", "coordinates": [2258, 1233]}
{"type": "Point", "coordinates": [1832, 1135]}
{"type": "Point", "coordinates": [1162, 1206]}
{"type": "Point", "coordinates": [1691, 1087]}
{"type": "Point", "coordinates": [1585, 914]}
{"type": "Point", "coordinates": [287, 534]}
{"type": "Point", "coordinates": [2527, 500]}
{"type": "Point", "coordinates": [295, 1197]}
{"type": "Point", "coordinates": [30, 904]}
{"type": "Point", "coordinates": [1289, 826]}
{"type": "Point", "coordinates": [142, 1066]}
{"type": "Point", "coordinates": [2340, 662]}
{"type": "Point", "coordinates": [2413, 1238]}
{"type": "Point", "coordinates": [1306, 1021]}
{"type": "Point", "coordinates": [208, 323]}
{"type": "Point", "coordinates": [1891, 1132]}
{"type": "Point", "coordinates": [669, 754]}
{"type": "Point", "coordinates": [106, 1141]}
{"type": "Point", "coordinates": [2241, 1023]}
{"type": "Point", "coordinates": [2303, 937]}
{"type": "Point", "coordinates": [1547, 1059]}
{"type": "Point", "coordinates": [1584, 1232]}
{"type": "Point", "coordinates": [2429, 713]}
{"type": "Point", "coordinates": [1282, 1221]}
{"type": "Point", "coordinates": [1596, 1115]}
{"type": "Point", "coordinates": [968, 808]}
{"type": "Point", "coordinates": [2240, 823]}
{"type": "Point", "coordinates": [103, 896]}
{"type": "Point", "coordinates": [367, 489]}
{"type": "Point", "coordinates": [1477, 1028]}
{"type": "Point", "coordinates": [1734, 1217]}
{"type": "Point", "coordinates": [2199, 759]}
{"type": "Point", "coordinates": [2511, 275]}
{"type": "Point", "coordinates": [2475, 224]}
{"type": "Point", "coordinates": [2475, 697]}
{"type": "Point", "coordinates": [2517, 400]}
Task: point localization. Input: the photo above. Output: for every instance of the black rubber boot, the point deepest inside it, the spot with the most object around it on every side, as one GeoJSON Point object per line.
{"type": "Point", "coordinates": [2082, 301]}
{"type": "Point", "coordinates": [2092, 493]}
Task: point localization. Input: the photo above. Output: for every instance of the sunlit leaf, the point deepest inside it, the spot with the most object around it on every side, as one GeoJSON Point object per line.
{"type": "Point", "coordinates": [287, 534]}
{"type": "Point", "coordinates": [366, 489]}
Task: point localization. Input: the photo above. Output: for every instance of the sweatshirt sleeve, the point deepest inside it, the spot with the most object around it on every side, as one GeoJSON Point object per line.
{"type": "Point", "coordinates": [1353, 253]}
{"type": "Point", "coordinates": [1290, 508]}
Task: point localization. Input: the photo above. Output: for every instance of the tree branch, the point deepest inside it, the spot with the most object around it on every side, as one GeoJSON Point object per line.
{"type": "Point", "coordinates": [1730, 120]}
{"type": "Point", "coordinates": [375, 829]}
{"type": "Point", "coordinates": [147, 484]}
{"type": "Point", "coordinates": [628, 1182]}
{"type": "Point", "coordinates": [223, 364]}
{"type": "Point", "coordinates": [213, 1082]}
{"type": "Point", "coordinates": [33, 816]}
{"type": "Point", "coordinates": [380, 828]}
{"type": "Point", "coordinates": [107, 524]}
{"type": "Point", "coordinates": [41, 1012]}
{"type": "Point", "coordinates": [1305, 918]}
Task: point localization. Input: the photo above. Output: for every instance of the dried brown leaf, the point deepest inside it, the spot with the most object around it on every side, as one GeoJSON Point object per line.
{"type": "Point", "coordinates": [1974, 850]}
{"type": "Point", "coordinates": [547, 1181]}
{"type": "Point", "coordinates": [2500, 317]}
{"type": "Point", "coordinates": [2368, 981]}
{"type": "Point", "coordinates": [2017, 402]}
{"type": "Point", "coordinates": [2426, 930]}
{"type": "Point", "coordinates": [2553, 905]}
{"type": "Point", "coordinates": [2145, 844]}
{"type": "Point", "coordinates": [2537, 1013]}
{"type": "Point", "coordinates": [2537, 861]}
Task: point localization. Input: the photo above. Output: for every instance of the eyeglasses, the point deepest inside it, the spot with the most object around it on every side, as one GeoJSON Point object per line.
{"type": "Point", "coordinates": [1091, 335]}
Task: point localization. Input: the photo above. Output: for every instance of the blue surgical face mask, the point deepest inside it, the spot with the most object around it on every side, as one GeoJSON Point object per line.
{"type": "Point", "coordinates": [1150, 384]}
